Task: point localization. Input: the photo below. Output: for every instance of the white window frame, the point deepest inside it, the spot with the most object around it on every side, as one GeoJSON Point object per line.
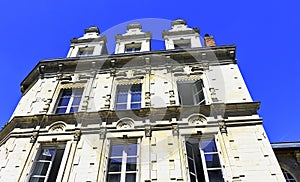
{"type": "Point", "coordinates": [203, 161]}
{"type": "Point", "coordinates": [129, 95]}
{"type": "Point", "coordinates": [133, 47]}
{"type": "Point", "coordinates": [85, 51]}
{"type": "Point", "coordinates": [69, 106]}
{"type": "Point", "coordinates": [182, 44]}
{"type": "Point", "coordinates": [124, 158]}
{"type": "Point", "coordinates": [37, 160]}
{"type": "Point", "coordinates": [195, 92]}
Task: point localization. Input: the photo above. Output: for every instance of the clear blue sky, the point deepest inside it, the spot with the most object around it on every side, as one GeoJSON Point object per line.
{"type": "Point", "coordinates": [266, 33]}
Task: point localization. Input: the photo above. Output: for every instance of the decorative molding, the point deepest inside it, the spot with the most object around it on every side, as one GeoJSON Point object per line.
{"type": "Point", "coordinates": [175, 130]}
{"type": "Point", "coordinates": [134, 37]}
{"type": "Point", "coordinates": [57, 127]}
{"type": "Point", "coordinates": [131, 81]}
{"type": "Point", "coordinates": [222, 126]}
{"type": "Point", "coordinates": [77, 135]}
{"type": "Point", "coordinates": [125, 123]}
{"type": "Point", "coordinates": [197, 120]}
{"type": "Point", "coordinates": [188, 78]}
{"type": "Point", "coordinates": [148, 131]}
{"type": "Point", "coordinates": [98, 39]}
{"type": "Point", "coordinates": [102, 133]}
{"type": "Point", "coordinates": [34, 136]}
{"type": "Point", "coordinates": [72, 85]}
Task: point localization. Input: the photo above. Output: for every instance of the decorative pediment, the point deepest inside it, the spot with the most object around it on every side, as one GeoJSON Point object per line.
{"type": "Point", "coordinates": [197, 120]}
{"type": "Point", "coordinates": [125, 123]}
{"type": "Point", "coordinates": [57, 127]}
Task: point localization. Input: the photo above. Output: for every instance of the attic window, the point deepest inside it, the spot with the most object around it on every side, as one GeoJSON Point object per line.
{"type": "Point", "coordinates": [133, 47]}
{"type": "Point", "coordinates": [85, 51]}
{"type": "Point", "coordinates": [182, 44]}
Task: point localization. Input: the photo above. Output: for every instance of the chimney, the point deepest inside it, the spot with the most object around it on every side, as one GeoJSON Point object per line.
{"type": "Point", "coordinates": [209, 40]}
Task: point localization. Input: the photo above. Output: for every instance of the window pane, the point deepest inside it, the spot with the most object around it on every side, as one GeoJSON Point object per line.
{"type": "Point", "coordinates": [208, 145]}
{"type": "Point", "coordinates": [47, 154]}
{"type": "Point", "coordinates": [132, 149]}
{"type": "Point", "coordinates": [113, 178]}
{"type": "Point", "coordinates": [76, 101]}
{"type": "Point", "coordinates": [67, 92]}
{"type": "Point", "coordinates": [64, 101]}
{"type": "Point", "coordinates": [117, 150]}
{"type": "Point", "coordinates": [136, 97]}
{"type": "Point", "coordinates": [61, 110]}
{"type": "Point", "coordinates": [191, 165]}
{"type": "Point", "coordinates": [130, 177]}
{"type": "Point", "coordinates": [73, 109]}
{"type": "Point", "coordinates": [122, 97]}
{"type": "Point", "coordinates": [47, 164]}
{"type": "Point", "coordinates": [189, 150]}
{"type": "Point", "coordinates": [136, 88]}
{"type": "Point", "coordinates": [135, 106]}
{"type": "Point", "coordinates": [41, 168]}
{"type": "Point", "coordinates": [185, 93]}
{"type": "Point", "coordinates": [56, 164]}
{"type": "Point", "coordinates": [131, 164]}
{"type": "Point", "coordinates": [212, 160]}
{"type": "Point", "coordinates": [85, 51]}
{"type": "Point", "coordinates": [193, 178]}
{"type": "Point", "coordinates": [198, 85]}
{"type": "Point", "coordinates": [121, 106]}
{"type": "Point", "coordinates": [215, 176]}
{"type": "Point", "coordinates": [115, 165]}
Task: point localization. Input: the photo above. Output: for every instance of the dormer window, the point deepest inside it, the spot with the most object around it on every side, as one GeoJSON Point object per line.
{"type": "Point", "coordinates": [85, 51]}
{"type": "Point", "coordinates": [133, 47]}
{"type": "Point", "coordinates": [182, 44]}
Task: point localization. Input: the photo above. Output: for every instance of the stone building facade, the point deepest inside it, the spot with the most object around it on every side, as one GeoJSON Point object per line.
{"type": "Point", "coordinates": [179, 114]}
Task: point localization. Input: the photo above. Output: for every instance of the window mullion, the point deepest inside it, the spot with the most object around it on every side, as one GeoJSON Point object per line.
{"type": "Point", "coordinates": [129, 99]}
{"type": "Point", "coordinates": [204, 163]}
{"type": "Point", "coordinates": [70, 102]}
{"type": "Point", "coordinates": [124, 161]}
{"type": "Point", "coordinates": [50, 165]}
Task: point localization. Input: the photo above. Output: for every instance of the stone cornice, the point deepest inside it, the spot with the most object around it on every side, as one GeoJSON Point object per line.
{"type": "Point", "coordinates": [146, 35]}
{"type": "Point", "coordinates": [134, 25]}
{"type": "Point", "coordinates": [152, 114]}
{"type": "Point", "coordinates": [203, 55]}
{"type": "Point", "coordinates": [92, 29]}
{"type": "Point", "coordinates": [178, 22]}
{"type": "Point", "coordinates": [98, 39]}
{"type": "Point", "coordinates": [183, 32]}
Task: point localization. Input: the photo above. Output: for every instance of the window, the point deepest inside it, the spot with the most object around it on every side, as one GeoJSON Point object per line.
{"type": "Point", "coordinates": [191, 93]}
{"type": "Point", "coordinates": [85, 51]}
{"type": "Point", "coordinates": [182, 44]}
{"type": "Point", "coordinates": [203, 160]}
{"type": "Point", "coordinates": [288, 176]}
{"type": "Point", "coordinates": [123, 161]}
{"type": "Point", "coordinates": [47, 163]}
{"type": "Point", "coordinates": [129, 97]}
{"type": "Point", "coordinates": [69, 100]}
{"type": "Point", "coordinates": [133, 47]}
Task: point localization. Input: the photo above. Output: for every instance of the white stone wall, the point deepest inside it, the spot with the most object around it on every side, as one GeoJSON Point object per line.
{"type": "Point", "coordinates": [248, 155]}
{"type": "Point", "coordinates": [38, 99]}
{"type": "Point", "coordinates": [13, 156]}
{"type": "Point", "coordinates": [224, 82]}
{"type": "Point", "coordinates": [228, 84]}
